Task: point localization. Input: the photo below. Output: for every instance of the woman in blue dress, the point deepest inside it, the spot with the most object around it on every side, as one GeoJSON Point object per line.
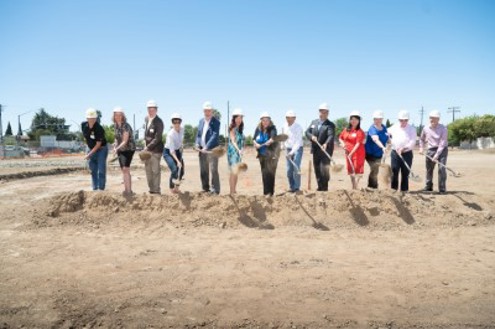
{"type": "Point", "coordinates": [236, 147]}
{"type": "Point", "coordinates": [376, 143]}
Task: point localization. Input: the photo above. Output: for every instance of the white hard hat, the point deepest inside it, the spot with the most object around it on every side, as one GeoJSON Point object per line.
{"type": "Point", "coordinates": [355, 114]}
{"type": "Point", "coordinates": [237, 112]}
{"type": "Point", "coordinates": [290, 114]}
{"type": "Point", "coordinates": [118, 109]}
{"type": "Point", "coordinates": [151, 103]}
{"type": "Point", "coordinates": [434, 114]}
{"type": "Point", "coordinates": [403, 115]}
{"type": "Point", "coordinates": [378, 115]}
{"type": "Point", "coordinates": [207, 106]}
{"type": "Point", "coordinates": [175, 116]}
{"type": "Point", "coordinates": [91, 113]}
{"type": "Point", "coordinates": [264, 115]}
{"type": "Point", "coordinates": [323, 106]}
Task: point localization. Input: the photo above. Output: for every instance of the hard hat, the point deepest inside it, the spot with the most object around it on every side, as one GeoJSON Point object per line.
{"type": "Point", "coordinates": [435, 114]}
{"type": "Point", "coordinates": [175, 116]}
{"type": "Point", "coordinates": [91, 113]}
{"type": "Point", "coordinates": [118, 109]}
{"type": "Point", "coordinates": [403, 115]}
{"type": "Point", "coordinates": [378, 115]}
{"type": "Point", "coordinates": [355, 114]}
{"type": "Point", "coordinates": [290, 114]}
{"type": "Point", "coordinates": [323, 106]}
{"type": "Point", "coordinates": [207, 106]}
{"type": "Point", "coordinates": [264, 115]}
{"type": "Point", "coordinates": [237, 112]}
{"type": "Point", "coordinates": [151, 103]}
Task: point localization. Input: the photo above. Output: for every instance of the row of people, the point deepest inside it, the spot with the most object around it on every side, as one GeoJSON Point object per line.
{"type": "Point", "coordinates": [359, 147]}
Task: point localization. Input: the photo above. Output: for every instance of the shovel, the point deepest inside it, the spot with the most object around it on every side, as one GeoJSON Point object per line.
{"type": "Point", "coordinates": [335, 167]}
{"type": "Point", "coordinates": [280, 138]}
{"type": "Point", "coordinates": [412, 176]}
{"type": "Point", "coordinates": [453, 172]}
{"type": "Point", "coordinates": [385, 171]}
{"type": "Point", "coordinates": [294, 164]}
{"type": "Point", "coordinates": [241, 166]}
{"type": "Point", "coordinates": [216, 151]}
{"type": "Point", "coordinates": [178, 180]}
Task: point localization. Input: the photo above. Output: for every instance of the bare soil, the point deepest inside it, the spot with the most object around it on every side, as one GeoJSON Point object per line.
{"type": "Point", "coordinates": [74, 258]}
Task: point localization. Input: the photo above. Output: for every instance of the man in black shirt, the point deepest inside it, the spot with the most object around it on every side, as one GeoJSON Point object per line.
{"type": "Point", "coordinates": [322, 132]}
{"type": "Point", "coordinates": [97, 156]}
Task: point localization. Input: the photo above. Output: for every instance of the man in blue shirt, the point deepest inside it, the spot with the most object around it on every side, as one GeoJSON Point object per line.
{"type": "Point", "coordinates": [207, 139]}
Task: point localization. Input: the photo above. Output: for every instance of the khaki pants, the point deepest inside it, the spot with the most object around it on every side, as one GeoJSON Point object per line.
{"type": "Point", "coordinates": [153, 172]}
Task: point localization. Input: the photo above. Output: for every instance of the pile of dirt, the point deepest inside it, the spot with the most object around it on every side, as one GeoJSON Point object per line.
{"type": "Point", "coordinates": [381, 210]}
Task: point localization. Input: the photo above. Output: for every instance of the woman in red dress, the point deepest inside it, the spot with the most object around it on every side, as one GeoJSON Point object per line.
{"type": "Point", "coordinates": [352, 139]}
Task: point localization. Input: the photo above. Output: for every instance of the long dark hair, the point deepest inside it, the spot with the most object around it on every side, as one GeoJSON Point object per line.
{"type": "Point", "coordinates": [349, 127]}
{"type": "Point", "coordinates": [232, 124]}
{"type": "Point", "coordinates": [268, 129]}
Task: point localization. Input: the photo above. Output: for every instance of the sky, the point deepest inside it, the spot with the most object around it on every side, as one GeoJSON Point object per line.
{"type": "Point", "coordinates": [258, 55]}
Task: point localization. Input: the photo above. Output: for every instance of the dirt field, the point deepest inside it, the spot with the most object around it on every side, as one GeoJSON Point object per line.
{"type": "Point", "coordinates": [73, 258]}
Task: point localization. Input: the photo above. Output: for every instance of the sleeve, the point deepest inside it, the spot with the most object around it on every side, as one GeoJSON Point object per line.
{"type": "Point", "coordinates": [256, 133]}
{"type": "Point", "coordinates": [273, 131]}
{"type": "Point", "coordinates": [412, 138]}
{"type": "Point", "coordinates": [443, 141]}
{"type": "Point", "coordinates": [214, 136]}
{"type": "Point", "coordinates": [198, 134]}
{"type": "Point", "coordinates": [309, 131]}
{"type": "Point", "coordinates": [168, 141]}
{"type": "Point", "coordinates": [158, 133]}
{"type": "Point", "coordinates": [361, 136]}
{"type": "Point", "coordinates": [99, 134]}
{"type": "Point", "coordinates": [422, 138]}
{"type": "Point", "coordinates": [330, 134]}
{"type": "Point", "coordinates": [372, 131]}
{"type": "Point", "coordinates": [298, 138]}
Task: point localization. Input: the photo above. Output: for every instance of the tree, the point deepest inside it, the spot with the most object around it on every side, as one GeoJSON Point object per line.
{"type": "Point", "coordinates": [462, 130]}
{"type": "Point", "coordinates": [340, 125]}
{"type": "Point", "coordinates": [388, 124]}
{"type": "Point", "coordinates": [8, 132]}
{"type": "Point", "coordinates": [190, 133]}
{"type": "Point", "coordinates": [217, 114]}
{"type": "Point", "coordinates": [249, 140]}
{"type": "Point", "coordinates": [485, 126]}
{"type": "Point", "coordinates": [46, 124]}
{"type": "Point", "coordinates": [109, 133]}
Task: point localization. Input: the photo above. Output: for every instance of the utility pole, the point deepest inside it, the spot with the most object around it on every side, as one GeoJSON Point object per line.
{"type": "Point", "coordinates": [454, 110]}
{"type": "Point", "coordinates": [228, 122]}
{"type": "Point", "coordinates": [1, 133]}
{"type": "Point", "coordinates": [421, 112]}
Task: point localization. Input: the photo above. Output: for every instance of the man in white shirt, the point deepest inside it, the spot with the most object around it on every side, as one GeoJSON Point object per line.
{"type": "Point", "coordinates": [403, 137]}
{"type": "Point", "coordinates": [294, 148]}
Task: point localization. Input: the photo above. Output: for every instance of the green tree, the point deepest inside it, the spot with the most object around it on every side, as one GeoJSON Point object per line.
{"type": "Point", "coordinates": [217, 114]}
{"type": "Point", "coordinates": [190, 133]}
{"type": "Point", "coordinates": [485, 126]}
{"type": "Point", "coordinates": [462, 130]}
{"type": "Point", "coordinates": [340, 125]}
{"type": "Point", "coordinates": [109, 133]}
{"type": "Point", "coordinates": [388, 124]}
{"type": "Point", "coordinates": [46, 124]}
{"type": "Point", "coordinates": [249, 140]}
{"type": "Point", "coordinates": [8, 132]}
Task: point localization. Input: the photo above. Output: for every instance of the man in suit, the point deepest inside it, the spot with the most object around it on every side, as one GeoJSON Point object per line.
{"type": "Point", "coordinates": [207, 139]}
{"type": "Point", "coordinates": [154, 143]}
{"type": "Point", "coordinates": [321, 131]}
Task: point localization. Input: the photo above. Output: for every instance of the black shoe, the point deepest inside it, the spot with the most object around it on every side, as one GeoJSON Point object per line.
{"type": "Point", "coordinates": [427, 189]}
{"type": "Point", "coordinates": [442, 192]}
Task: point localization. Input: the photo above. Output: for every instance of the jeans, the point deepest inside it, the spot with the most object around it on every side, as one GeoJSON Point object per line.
{"type": "Point", "coordinates": [98, 168]}
{"type": "Point", "coordinates": [442, 172]}
{"type": "Point", "coordinates": [292, 173]}
{"type": "Point", "coordinates": [172, 164]}
{"type": "Point", "coordinates": [398, 166]}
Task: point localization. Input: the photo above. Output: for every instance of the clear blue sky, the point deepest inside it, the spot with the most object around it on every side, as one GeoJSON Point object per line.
{"type": "Point", "coordinates": [261, 55]}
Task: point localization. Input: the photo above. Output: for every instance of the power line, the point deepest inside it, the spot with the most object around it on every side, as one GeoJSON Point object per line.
{"type": "Point", "coordinates": [421, 112]}
{"type": "Point", "coordinates": [454, 110]}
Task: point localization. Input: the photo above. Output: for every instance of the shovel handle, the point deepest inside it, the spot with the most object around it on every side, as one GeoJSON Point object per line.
{"type": "Point", "coordinates": [441, 164]}
{"type": "Point", "coordinates": [325, 151]}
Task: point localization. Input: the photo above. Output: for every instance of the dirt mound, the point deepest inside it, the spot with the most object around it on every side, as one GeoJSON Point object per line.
{"type": "Point", "coordinates": [382, 210]}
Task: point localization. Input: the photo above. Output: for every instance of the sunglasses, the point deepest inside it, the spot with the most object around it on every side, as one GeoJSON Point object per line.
{"type": "Point", "coordinates": [176, 122]}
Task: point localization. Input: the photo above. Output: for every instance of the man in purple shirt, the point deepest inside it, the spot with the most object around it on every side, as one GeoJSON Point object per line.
{"type": "Point", "coordinates": [435, 138]}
